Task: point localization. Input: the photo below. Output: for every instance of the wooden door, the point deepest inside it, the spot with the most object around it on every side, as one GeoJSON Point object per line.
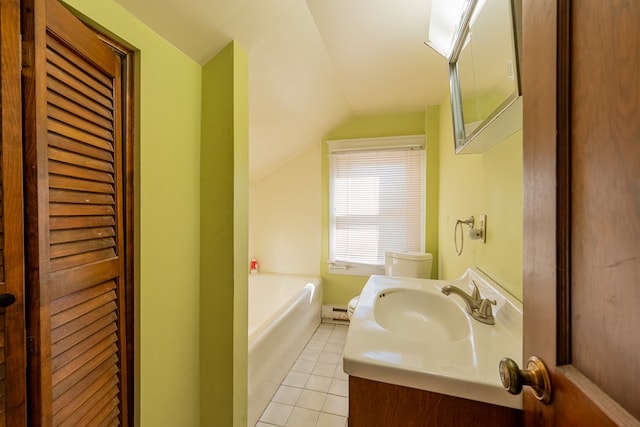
{"type": "Point", "coordinates": [581, 85]}
{"type": "Point", "coordinates": [75, 221]}
{"type": "Point", "coordinates": [12, 327]}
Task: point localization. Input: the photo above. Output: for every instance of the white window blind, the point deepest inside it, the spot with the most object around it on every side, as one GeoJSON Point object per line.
{"type": "Point", "coordinates": [377, 192]}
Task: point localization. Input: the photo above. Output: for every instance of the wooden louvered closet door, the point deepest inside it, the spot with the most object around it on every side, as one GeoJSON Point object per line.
{"type": "Point", "coordinates": [75, 243]}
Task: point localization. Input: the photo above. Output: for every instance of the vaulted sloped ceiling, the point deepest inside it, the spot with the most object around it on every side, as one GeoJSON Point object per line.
{"type": "Point", "coordinates": [312, 65]}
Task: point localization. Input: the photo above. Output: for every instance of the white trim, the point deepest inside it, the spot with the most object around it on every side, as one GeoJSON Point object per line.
{"type": "Point", "coordinates": [343, 268]}
{"type": "Point", "coordinates": [409, 142]}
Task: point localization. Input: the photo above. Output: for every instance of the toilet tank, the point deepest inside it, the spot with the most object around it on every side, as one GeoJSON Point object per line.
{"type": "Point", "coordinates": [408, 264]}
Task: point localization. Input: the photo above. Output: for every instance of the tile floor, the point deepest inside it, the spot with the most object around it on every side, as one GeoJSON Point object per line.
{"type": "Point", "coordinates": [315, 392]}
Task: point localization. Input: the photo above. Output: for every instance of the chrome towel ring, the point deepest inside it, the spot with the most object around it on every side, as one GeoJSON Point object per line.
{"type": "Point", "coordinates": [470, 222]}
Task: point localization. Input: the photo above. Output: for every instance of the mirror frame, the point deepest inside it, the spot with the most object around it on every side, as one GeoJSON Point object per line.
{"type": "Point", "coordinates": [504, 120]}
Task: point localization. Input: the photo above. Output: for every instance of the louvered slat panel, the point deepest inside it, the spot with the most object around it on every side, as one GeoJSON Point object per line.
{"type": "Point", "coordinates": [87, 375]}
{"type": "Point", "coordinates": [90, 116]}
{"type": "Point", "coordinates": [60, 223]}
{"type": "Point", "coordinates": [79, 172]}
{"type": "Point", "coordinates": [78, 147]}
{"type": "Point", "coordinates": [63, 76]}
{"type": "Point", "coordinates": [66, 282]}
{"type": "Point", "coordinates": [65, 378]}
{"type": "Point", "coordinates": [61, 182]}
{"type": "Point", "coordinates": [82, 259]}
{"type": "Point", "coordinates": [103, 387]}
{"type": "Point", "coordinates": [78, 323]}
{"type": "Point", "coordinates": [75, 248]}
{"type": "Point", "coordinates": [64, 116]}
{"type": "Point", "coordinates": [89, 409]}
{"type": "Point", "coordinates": [68, 131]}
{"type": "Point", "coordinates": [80, 197]}
{"type": "Point", "coordinates": [83, 250]}
{"type": "Point", "coordinates": [103, 417]}
{"type": "Point", "coordinates": [67, 343]}
{"type": "Point", "coordinates": [108, 355]}
{"type": "Point", "coordinates": [64, 236]}
{"type": "Point", "coordinates": [68, 156]}
{"type": "Point", "coordinates": [68, 73]}
{"type": "Point", "coordinates": [77, 394]}
{"type": "Point", "coordinates": [60, 305]}
{"type": "Point", "coordinates": [71, 210]}
{"type": "Point", "coordinates": [103, 337]}
{"type": "Point", "coordinates": [65, 53]}
{"type": "Point", "coordinates": [73, 392]}
{"type": "Point", "coordinates": [79, 98]}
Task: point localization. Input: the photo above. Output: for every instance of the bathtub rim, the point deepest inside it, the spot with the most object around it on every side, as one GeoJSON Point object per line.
{"type": "Point", "coordinates": [273, 320]}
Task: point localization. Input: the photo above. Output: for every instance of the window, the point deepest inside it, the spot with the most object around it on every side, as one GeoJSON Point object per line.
{"type": "Point", "coordinates": [377, 193]}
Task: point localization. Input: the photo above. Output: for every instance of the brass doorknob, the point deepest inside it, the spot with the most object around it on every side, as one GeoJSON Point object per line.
{"type": "Point", "coordinates": [536, 376]}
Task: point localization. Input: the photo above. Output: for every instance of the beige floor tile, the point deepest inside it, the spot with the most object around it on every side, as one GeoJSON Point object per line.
{"type": "Point", "coordinates": [310, 399]}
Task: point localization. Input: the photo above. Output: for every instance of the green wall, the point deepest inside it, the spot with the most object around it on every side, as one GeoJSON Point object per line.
{"type": "Point", "coordinates": [224, 239]}
{"type": "Point", "coordinates": [432, 132]}
{"type": "Point", "coordinates": [457, 186]}
{"type": "Point", "coordinates": [338, 289]}
{"type": "Point", "coordinates": [474, 184]}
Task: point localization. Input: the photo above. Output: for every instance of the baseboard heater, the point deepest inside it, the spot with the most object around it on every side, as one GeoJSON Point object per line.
{"type": "Point", "coordinates": [335, 314]}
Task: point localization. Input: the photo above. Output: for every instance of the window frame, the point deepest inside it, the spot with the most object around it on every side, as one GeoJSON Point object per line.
{"type": "Point", "coordinates": [394, 143]}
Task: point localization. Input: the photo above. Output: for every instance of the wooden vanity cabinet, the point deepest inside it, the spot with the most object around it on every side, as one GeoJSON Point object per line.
{"type": "Point", "coordinates": [377, 404]}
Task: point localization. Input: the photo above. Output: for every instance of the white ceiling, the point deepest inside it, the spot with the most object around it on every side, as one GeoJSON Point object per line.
{"type": "Point", "coordinates": [312, 64]}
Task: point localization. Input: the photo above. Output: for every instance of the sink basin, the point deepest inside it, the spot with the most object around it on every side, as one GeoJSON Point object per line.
{"type": "Point", "coordinates": [405, 331]}
{"type": "Point", "coordinates": [420, 316]}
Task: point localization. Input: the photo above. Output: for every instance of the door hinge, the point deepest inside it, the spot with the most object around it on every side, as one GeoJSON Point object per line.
{"type": "Point", "coordinates": [25, 53]}
{"type": "Point", "coordinates": [31, 345]}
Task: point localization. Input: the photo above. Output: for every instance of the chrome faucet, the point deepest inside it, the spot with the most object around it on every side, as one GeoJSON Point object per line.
{"type": "Point", "coordinates": [479, 308]}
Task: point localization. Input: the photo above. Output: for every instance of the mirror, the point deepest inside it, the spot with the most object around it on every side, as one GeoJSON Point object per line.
{"type": "Point", "coordinates": [484, 75]}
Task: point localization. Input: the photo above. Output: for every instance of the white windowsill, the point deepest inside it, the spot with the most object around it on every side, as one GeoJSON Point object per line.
{"type": "Point", "coordinates": [355, 269]}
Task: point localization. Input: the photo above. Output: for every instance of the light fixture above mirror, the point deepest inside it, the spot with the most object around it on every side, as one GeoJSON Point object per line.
{"type": "Point", "coordinates": [444, 22]}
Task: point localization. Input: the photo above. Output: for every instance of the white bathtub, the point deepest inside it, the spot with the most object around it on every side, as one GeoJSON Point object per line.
{"type": "Point", "coordinates": [284, 312]}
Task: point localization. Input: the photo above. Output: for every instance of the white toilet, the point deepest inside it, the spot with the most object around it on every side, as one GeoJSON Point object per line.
{"type": "Point", "coordinates": [401, 264]}
{"type": "Point", "coordinates": [408, 264]}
